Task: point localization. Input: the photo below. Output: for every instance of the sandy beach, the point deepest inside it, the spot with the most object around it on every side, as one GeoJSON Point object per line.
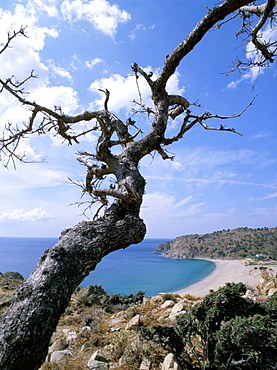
{"type": "Point", "coordinates": [232, 271]}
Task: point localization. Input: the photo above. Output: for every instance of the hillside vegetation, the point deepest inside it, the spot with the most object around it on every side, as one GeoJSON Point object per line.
{"type": "Point", "coordinates": [227, 329]}
{"type": "Point", "coordinates": [239, 243]}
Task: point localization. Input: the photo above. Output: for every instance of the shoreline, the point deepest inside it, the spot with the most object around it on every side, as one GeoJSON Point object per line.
{"type": "Point", "coordinates": [229, 271]}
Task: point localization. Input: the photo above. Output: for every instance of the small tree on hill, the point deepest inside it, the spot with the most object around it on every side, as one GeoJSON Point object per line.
{"type": "Point", "coordinates": [27, 326]}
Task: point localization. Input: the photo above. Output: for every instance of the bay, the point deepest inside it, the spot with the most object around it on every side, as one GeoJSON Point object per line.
{"type": "Point", "coordinates": [124, 272]}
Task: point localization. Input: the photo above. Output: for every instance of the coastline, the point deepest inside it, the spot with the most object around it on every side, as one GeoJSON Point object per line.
{"type": "Point", "coordinates": [229, 271]}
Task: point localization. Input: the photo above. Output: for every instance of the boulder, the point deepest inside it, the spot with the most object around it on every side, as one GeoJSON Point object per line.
{"type": "Point", "coordinates": [98, 356]}
{"type": "Point", "coordinates": [170, 363]}
{"type": "Point", "coordinates": [70, 336]}
{"type": "Point", "coordinates": [59, 345]}
{"type": "Point", "coordinates": [272, 291]}
{"type": "Point", "coordinates": [97, 365]}
{"type": "Point", "coordinates": [134, 323]}
{"type": "Point", "coordinates": [60, 356]}
{"type": "Point", "coordinates": [178, 307]}
{"type": "Point", "coordinates": [168, 303]}
{"type": "Point", "coordinates": [97, 361]}
{"type": "Point", "coordinates": [145, 365]}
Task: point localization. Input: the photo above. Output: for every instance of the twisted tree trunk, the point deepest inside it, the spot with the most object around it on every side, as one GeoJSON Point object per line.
{"type": "Point", "coordinates": [27, 326]}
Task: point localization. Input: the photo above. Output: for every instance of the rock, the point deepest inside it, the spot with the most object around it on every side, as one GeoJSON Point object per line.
{"type": "Point", "coordinates": [85, 332]}
{"type": "Point", "coordinates": [157, 299]}
{"type": "Point", "coordinates": [115, 324]}
{"type": "Point", "coordinates": [71, 336]}
{"type": "Point", "coordinates": [97, 365]}
{"type": "Point", "coordinates": [272, 291]}
{"type": "Point", "coordinates": [145, 365]}
{"type": "Point", "coordinates": [170, 363]}
{"type": "Point", "coordinates": [134, 323]}
{"type": "Point", "coordinates": [178, 307]}
{"type": "Point", "coordinates": [168, 303]}
{"type": "Point", "coordinates": [130, 313]}
{"type": "Point", "coordinates": [60, 356]}
{"type": "Point", "coordinates": [98, 356]}
{"type": "Point", "coordinates": [13, 275]}
{"type": "Point", "coordinates": [269, 285]}
{"type": "Point", "coordinates": [89, 295]}
{"type": "Point", "coordinates": [59, 345]}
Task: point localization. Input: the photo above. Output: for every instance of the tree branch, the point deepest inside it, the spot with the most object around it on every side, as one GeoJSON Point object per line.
{"type": "Point", "coordinates": [214, 15]}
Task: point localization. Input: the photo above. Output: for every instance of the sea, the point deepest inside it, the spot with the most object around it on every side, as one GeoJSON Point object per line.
{"type": "Point", "coordinates": [123, 272]}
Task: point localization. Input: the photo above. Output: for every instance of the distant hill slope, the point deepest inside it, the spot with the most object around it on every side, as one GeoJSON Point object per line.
{"type": "Point", "coordinates": [225, 244]}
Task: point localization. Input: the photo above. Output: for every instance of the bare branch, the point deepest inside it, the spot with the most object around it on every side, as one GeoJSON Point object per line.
{"type": "Point", "coordinates": [205, 116]}
{"type": "Point", "coordinates": [138, 70]}
{"type": "Point", "coordinates": [254, 9]}
{"type": "Point", "coordinates": [20, 32]}
{"type": "Point", "coordinates": [214, 15]}
{"type": "Point", "coordinates": [265, 10]}
{"type": "Point", "coordinates": [107, 93]}
{"type": "Point", "coordinates": [163, 154]}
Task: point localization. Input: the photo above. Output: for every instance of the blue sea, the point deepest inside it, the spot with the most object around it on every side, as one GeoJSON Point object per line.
{"type": "Point", "coordinates": [124, 272]}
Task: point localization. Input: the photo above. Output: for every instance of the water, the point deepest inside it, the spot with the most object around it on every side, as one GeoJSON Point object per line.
{"type": "Point", "coordinates": [122, 272]}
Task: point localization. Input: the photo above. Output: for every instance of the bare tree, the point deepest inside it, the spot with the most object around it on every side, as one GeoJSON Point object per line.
{"type": "Point", "coordinates": [27, 326]}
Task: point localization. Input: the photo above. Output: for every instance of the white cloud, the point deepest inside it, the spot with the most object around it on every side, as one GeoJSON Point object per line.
{"type": "Point", "coordinates": [104, 16]}
{"type": "Point", "coordinates": [139, 28]}
{"type": "Point", "coordinates": [58, 70]}
{"type": "Point", "coordinates": [91, 64]}
{"type": "Point", "coordinates": [165, 215]}
{"type": "Point", "coordinates": [164, 206]}
{"type": "Point", "coordinates": [23, 56]}
{"type": "Point", "coordinates": [49, 8]}
{"type": "Point", "coordinates": [20, 215]}
{"type": "Point", "coordinates": [269, 196]}
{"type": "Point", "coordinates": [123, 90]}
{"type": "Point", "coordinates": [32, 176]}
{"type": "Point", "coordinates": [51, 96]}
{"type": "Point", "coordinates": [269, 212]}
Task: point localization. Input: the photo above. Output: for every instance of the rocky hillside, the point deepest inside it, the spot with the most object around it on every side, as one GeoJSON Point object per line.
{"type": "Point", "coordinates": [101, 331]}
{"type": "Point", "coordinates": [225, 244]}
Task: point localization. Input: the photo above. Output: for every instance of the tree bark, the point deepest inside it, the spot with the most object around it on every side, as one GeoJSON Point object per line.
{"type": "Point", "coordinates": [27, 326]}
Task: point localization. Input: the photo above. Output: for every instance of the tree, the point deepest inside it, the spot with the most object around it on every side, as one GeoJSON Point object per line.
{"type": "Point", "coordinates": [27, 326]}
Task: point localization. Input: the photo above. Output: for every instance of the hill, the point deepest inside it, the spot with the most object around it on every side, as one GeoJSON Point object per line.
{"type": "Point", "coordinates": [239, 243]}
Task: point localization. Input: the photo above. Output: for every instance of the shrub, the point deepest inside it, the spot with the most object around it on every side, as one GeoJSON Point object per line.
{"type": "Point", "coordinates": [249, 342]}
{"type": "Point", "coordinates": [223, 331]}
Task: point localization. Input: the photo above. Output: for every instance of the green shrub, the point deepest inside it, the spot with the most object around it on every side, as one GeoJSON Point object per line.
{"type": "Point", "coordinates": [249, 342]}
{"type": "Point", "coordinates": [223, 331]}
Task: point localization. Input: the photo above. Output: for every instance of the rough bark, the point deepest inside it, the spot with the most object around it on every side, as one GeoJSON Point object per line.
{"type": "Point", "coordinates": [27, 326]}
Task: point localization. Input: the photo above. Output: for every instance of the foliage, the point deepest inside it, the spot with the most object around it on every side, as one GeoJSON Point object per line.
{"type": "Point", "coordinates": [225, 330]}
{"type": "Point", "coordinates": [249, 342]}
{"type": "Point", "coordinates": [96, 295]}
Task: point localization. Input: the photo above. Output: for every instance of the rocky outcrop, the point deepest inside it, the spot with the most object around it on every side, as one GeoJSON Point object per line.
{"type": "Point", "coordinates": [239, 243]}
{"type": "Point", "coordinates": [95, 338]}
{"type": "Point", "coordinates": [102, 340]}
{"type": "Point", "coordinates": [12, 275]}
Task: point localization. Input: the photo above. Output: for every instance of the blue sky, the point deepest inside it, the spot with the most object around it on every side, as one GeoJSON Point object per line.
{"type": "Point", "coordinates": [218, 180]}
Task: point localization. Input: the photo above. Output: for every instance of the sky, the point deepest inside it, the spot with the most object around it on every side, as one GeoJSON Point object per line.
{"type": "Point", "coordinates": [217, 180]}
